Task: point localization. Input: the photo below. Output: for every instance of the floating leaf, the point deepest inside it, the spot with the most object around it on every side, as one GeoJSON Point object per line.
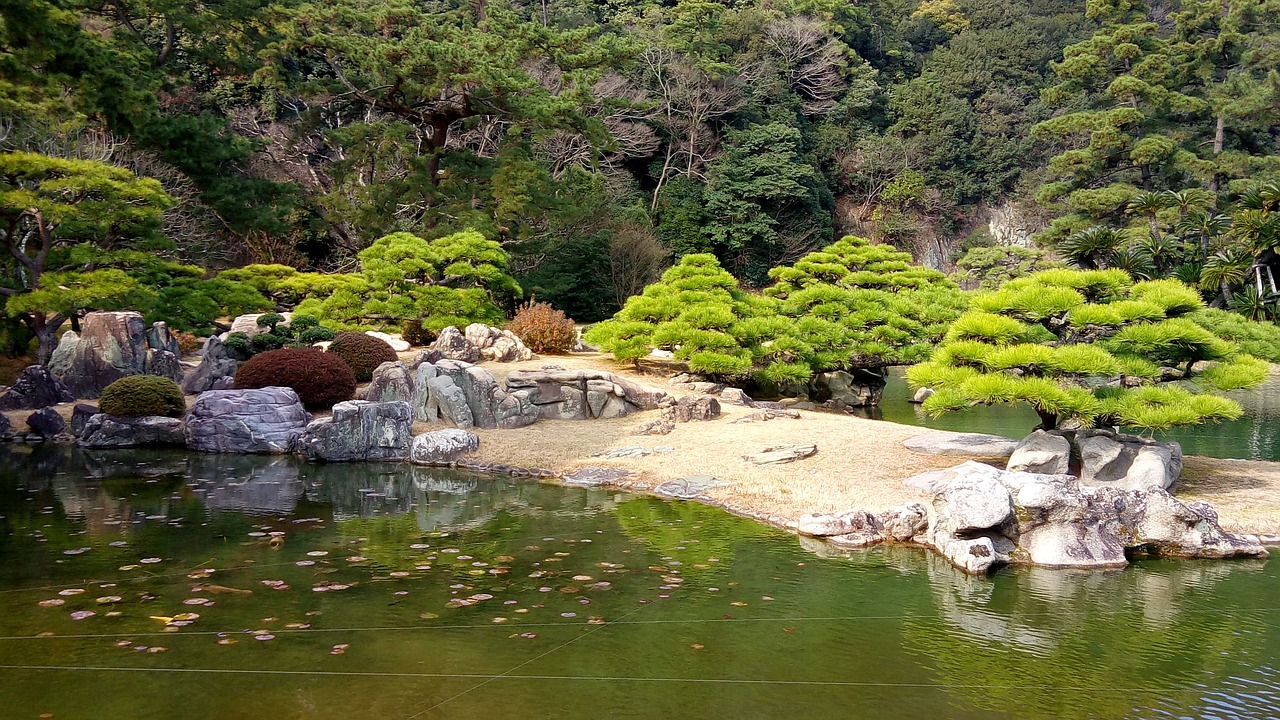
{"type": "Point", "coordinates": [150, 561]}
{"type": "Point", "coordinates": [71, 591]}
{"type": "Point", "coordinates": [82, 614]}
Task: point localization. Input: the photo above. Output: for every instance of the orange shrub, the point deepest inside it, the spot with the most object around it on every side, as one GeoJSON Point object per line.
{"type": "Point", "coordinates": [544, 329]}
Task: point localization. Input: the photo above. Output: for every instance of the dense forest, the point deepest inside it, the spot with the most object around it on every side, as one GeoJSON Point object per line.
{"type": "Point", "coordinates": [355, 152]}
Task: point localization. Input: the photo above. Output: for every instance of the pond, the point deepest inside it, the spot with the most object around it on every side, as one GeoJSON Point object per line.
{"type": "Point", "coordinates": [156, 585]}
{"type": "Point", "coordinates": [1255, 436]}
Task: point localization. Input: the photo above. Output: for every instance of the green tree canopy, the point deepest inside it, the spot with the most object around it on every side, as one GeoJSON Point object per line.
{"type": "Point", "coordinates": [1089, 347]}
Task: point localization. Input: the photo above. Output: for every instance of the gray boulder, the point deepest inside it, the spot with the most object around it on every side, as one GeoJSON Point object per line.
{"type": "Point", "coordinates": [423, 372]}
{"type": "Point", "coordinates": [452, 344]}
{"type": "Point", "coordinates": [904, 522]}
{"type": "Point", "coordinates": [516, 410]}
{"type": "Point", "coordinates": [921, 395]}
{"type": "Point", "coordinates": [112, 345]}
{"type": "Point", "coordinates": [164, 364]}
{"type": "Point", "coordinates": [248, 324]}
{"type": "Point", "coordinates": [695, 407]}
{"type": "Point", "coordinates": [46, 423]}
{"type": "Point", "coordinates": [446, 400]}
{"type": "Point", "coordinates": [60, 362]}
{"type": "Point", "coordinates": [478, 387]}
{"type": "Point", "coordinates": [849, 522]}
{"type": "Point", "coordinates": [442, 447]}
{"type": "Point", "coordinates": [958, 444]}
{"type": "Point", "coordinates": [35, 388]}
{"type": "Point", "coordinates": [736, 396]}
{"type": "Point", "coordinates": [80, 415]}
{"type": "Point", "coordinates": [1041, 452]}
{"type": "Point", "coordinates": [391, 382]}
{"type": "Point", "coordinates": [159, 337]}
{"type": "Point", "coordinates": [216, 364]}
{"type": "Point", "coordinates": [690, 487]}
{"type": "Point", "coordinates": [359, 430]}
{"type": "Point", "coordinates": [1127, 462]}
{"type": "Point", "coordinates": [562, 394]}
{"type": "Point", "coordinates": [267, 420]}
{"type": "Point", "coordinates": [107, 431]}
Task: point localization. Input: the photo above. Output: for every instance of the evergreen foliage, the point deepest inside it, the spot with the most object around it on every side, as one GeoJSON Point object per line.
{"type": "Point", "coordinates": [1089, 347]}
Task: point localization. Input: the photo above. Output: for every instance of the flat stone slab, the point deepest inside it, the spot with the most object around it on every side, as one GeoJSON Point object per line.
{"type": "Point", "coordinates": [781, 454]}
{"type": "Point", "coordinates": [594, 476]}
{"type": "Point", "coordinates": [958, 444]}
{"type": "Point", "coordinates": [689, 487]}
{"type": "Point", "coordinates": [634, 452]}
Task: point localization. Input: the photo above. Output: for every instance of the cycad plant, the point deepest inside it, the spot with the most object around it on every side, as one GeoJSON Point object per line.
{"type": "Point", "coordinates": [1088, 347]}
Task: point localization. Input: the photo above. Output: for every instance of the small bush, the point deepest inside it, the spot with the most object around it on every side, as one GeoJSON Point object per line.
{"type": "Point", "coordinates": [188, 342]}
{"type": "Point", "coordinates": [320, 379]}
{"type": "Point", "coordinates": [313, 335]}
{"type": "Point", "coordinates": [299, 324]}
{"type": "Point", "coordinates": [546, 330]}
{"type": "Point", "coordinates": [414, 333]}
{"type": "Point", "coordinates": [270, 320]}
{"type": "Point", "coordinates": [143, 395]}
{"type": "Point", "coordinates": [266, 341]}
{"type": "Point", "coordinates": [238, 344]}
{"type": "Point", "coordinates": [362, 353]}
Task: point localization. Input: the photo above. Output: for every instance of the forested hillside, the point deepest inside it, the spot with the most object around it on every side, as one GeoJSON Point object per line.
{"type": "Point", "coordinates": [598, 142]}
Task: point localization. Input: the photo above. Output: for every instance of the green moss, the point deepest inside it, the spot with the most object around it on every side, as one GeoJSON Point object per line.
{"type": "Point", "coordinates": [143, 395]}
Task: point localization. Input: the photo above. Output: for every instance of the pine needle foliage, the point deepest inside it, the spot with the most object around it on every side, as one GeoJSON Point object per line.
{"type": "Point", "coordinates": [1091, 348]}
{"type": "Point", "coordinates": [851, 305]}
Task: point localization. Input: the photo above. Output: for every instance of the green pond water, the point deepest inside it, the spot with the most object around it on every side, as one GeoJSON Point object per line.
{"type": "Point", "coordinates": [222, 587]}
{"type": "Point", "coordinates": [1255, 436]}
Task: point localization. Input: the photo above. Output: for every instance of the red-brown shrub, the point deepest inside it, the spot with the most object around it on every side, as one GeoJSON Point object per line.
{"type": "Point", "coordinates": [544, 329]}
{"type": "Point", "coordinates": [362, 353]}
{"type": "Point", "coordinates": [320, 379]}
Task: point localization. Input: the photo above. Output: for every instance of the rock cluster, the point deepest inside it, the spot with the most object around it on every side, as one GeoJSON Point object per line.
{"type": "Point", "coordinates": [686, 409]}
{"type": "Point", "coordinates": [248, 324]}
{"type": "Point", "coordinates": [560, 394]}
{"type": "Point", "coordinates": [858, 528]}
{"type": "Point", "coordinates": [478, 342]}
{"type": "Point", "coordinates": [1100, 458]}
{"type": "Point", "coordinates": [359, 430]}
{"type": "Point", "coordinates": [840, 390]}
{"type": "Point", "coordinates": [984, 517]}
{"type": "Point", "coordinates": [959, 444]}
{"type": "Point", "coordinates": [112, 345]}
{"type": "Point", "coordinates": [442, 447]}
{"type": "Point", "coordinates": [35, 388]}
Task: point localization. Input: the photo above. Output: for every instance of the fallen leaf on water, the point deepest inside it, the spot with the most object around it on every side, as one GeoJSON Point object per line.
{"type": "Point", "coordinates": [71, 591]}
{"type": "Point", "coordinates": [82, 614]}
{"type": "Point", "coordinates": [195, 601]}
{"type": "Point", "coordinates": [738, 604]}
{"type": "Point", "coordinates": [162, 618]}
{"type": "Point", "coordinates": [52, 603]}
{"type": "Point", "coordinates": [108, 599]}
{"type": "Point", "coordinates": [149, 561]}
{"type": "Point", "coordinates": [697, 646]}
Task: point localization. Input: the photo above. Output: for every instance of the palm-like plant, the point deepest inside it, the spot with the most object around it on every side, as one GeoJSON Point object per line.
{"type": "Point", "coordinates": [1188, 200]}
{"type": "Point", "coordinates": [1257, 228]}
{"type": "Point", "coordinates": [1166, 251]}
{"type": "Point", "coordinates": [1150, 204]}
{"type": "Point", "coordinates": [1092, 248]}
{"type": "Point", "coordinates": [1188, 273]}
{"type": "Point", "coordinates": [1256, 305]}
{"type": "Point", "coordinates": [1205, 226]}
{"type": "Point", "coordinates": [1135, 261]}
{"type": "Point", "coordinates": [1225, 270]}
{"type": "Point", "coordinates": [1265, 197]}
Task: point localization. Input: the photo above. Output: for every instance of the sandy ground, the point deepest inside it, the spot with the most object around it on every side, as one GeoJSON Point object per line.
{"type": "Point", "coordinates": [859, 463]}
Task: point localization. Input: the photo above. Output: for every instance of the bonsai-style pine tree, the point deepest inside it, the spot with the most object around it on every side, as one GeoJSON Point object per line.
{"type": "Point", "coordinates": [1088, 347]}
{"type": "Point", "coordinates": [698, 311]}
{"type": "Point", "coordinates": [865, 306]}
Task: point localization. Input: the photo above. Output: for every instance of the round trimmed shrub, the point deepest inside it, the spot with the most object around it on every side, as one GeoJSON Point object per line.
{"type": "Point", "coordinates": [362, 353]}
{"type": "Point", "coordinates": [320, 379]}
{"type": "Point", "coordinates": [266, 341]}
{"type": "Point", "coordinates": [141, 396]}
{"type": "Point", "coordinates": [544, 329]}
{"type": "Point", "coordinates": [313, 335]}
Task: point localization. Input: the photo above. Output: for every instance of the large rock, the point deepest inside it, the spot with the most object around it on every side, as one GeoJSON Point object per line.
{"type": "Point", "coordinates": [956, 444]}
{"type": "Point", "coordinates": [267, 420]}
{"type": "Point", "coordinates": [516, 409]}
{"type": "Point", "coordinates": [478, 387]}
{"type": "Point", "coordinates": [451, 344]}
{"type": "Point", "coordinates": [781, 454]}
{"type": "Point", "coordinates": [442, 447]}
{"type": "Point", "coordinates": [34, 388]}
{"type": "Point", "coordinates": [841, 390]}
{"type": "Point", "coordinates": [446, 400]}
{"type": "Point", "coordinates": [696, 407]}
{"type": "Point", "coordinates": [46, 422]}
{"type": "Point", "coordinates": [60, 362]}
{"type": "Point", "coordinates": [165, 364]}
{"type": "Point", "coordinates": [216, 364]}
{"type": "Point", "coordinates": [904, 522]}
{"type": "Point", "coordinates": [248, 324]}
{"type": "Point", "coordinates": [359, 430]}
{"type": "Point", "coordinates": [112, 345]}
{"type": "Point", "coordinates": [1042, 452]}
{"type": "Point", "coordinates": [1127, 462]}
{"type": "Point", "coordinates": [80, 416]}
{"type": "Point", "coordinates": [159, 337]}
{"type": "Point", "coordinates": [497, 345]}
{"type": "Point", "coordinates": [850, 522]}
{"type": "Point", "coordinates": [391, 382]}
{"type": "Point", "coordinates": [108, 431]}
{"type": "Point", "coordinates": [396, 343]}
{"type": "Point", "coordinates": [423, 372]}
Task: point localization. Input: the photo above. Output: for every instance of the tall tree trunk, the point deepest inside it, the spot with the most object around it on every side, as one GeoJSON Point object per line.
{"type": "Point", "coordinates": [1219, 141]}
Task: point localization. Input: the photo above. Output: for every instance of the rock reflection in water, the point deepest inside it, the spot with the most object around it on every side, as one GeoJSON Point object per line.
{"type": "Point", "coordinates": [1029, 635]}
{"type": "Point", "coordinates": [251, 484]}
